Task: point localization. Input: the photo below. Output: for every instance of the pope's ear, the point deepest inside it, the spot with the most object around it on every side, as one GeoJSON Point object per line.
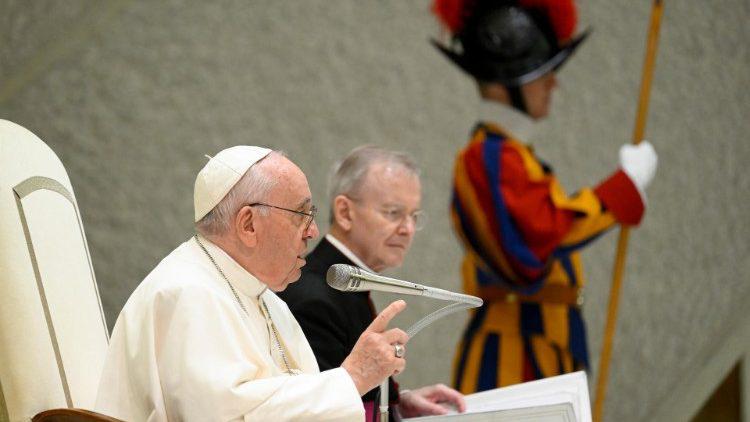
{"type": "Point", "coordinates": [245, 223]}
{"type": "Point", "coordinates": [342, 212]}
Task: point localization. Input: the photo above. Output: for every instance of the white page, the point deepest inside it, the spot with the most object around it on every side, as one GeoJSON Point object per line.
{"type": "Point", "coordinates": [569, 388]}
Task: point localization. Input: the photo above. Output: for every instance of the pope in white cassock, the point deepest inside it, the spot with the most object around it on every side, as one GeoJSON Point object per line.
{"type": "Point", "coordinates": [205, 338]}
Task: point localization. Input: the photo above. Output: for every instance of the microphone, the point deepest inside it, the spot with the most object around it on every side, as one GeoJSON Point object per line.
{"type": "Point", "coordinates": [348, 278]}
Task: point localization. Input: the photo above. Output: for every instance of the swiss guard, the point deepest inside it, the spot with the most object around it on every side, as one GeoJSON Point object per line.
{"type": "Point", "coordinates": [521, 232]}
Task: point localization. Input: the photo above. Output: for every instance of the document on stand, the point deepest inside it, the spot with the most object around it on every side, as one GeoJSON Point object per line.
{"type": "Point", "coordinates": [560, 398]}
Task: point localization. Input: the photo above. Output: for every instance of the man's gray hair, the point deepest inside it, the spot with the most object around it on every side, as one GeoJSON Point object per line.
{"type": "Point", "coordinates": [254, 186]}
{"type": "Point", "coordinates": [348, 174]}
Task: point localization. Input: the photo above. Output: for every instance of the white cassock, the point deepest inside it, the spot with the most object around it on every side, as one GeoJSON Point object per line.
{"type": "Point", "coordinates": [183, 349]}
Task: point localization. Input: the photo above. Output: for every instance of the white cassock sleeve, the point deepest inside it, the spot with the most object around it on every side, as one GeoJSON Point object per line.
{"type": "Point", "coordinates": [208, 365]}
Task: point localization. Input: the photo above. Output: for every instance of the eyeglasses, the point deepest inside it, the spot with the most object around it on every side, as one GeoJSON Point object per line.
{"type": "Point", "coordinates": [309, 217]}
{"type": "Point", "coordinates": [397, 215]}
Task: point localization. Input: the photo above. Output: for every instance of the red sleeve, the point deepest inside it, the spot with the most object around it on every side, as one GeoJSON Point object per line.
{"type": "Point", "coordinates": [621, 197]}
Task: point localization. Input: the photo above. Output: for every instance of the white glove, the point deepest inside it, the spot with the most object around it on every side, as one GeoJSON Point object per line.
{"type": "Point", "coordinates": [639, 163]}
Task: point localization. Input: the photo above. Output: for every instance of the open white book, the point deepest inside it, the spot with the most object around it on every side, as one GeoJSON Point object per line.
{"type": "Point", "coordinates": [560, 398]}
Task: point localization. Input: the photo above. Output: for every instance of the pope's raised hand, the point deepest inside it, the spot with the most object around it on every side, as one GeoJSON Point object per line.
{"type": "Point", "coordinates": [373, 357]}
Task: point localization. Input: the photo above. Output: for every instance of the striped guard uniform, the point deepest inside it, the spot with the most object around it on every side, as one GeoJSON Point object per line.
{"type": "Point", "coordinates": [521, 233]}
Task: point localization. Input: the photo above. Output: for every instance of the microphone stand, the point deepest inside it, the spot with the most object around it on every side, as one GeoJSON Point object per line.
{"type": "Point", "coordinates": [384, 401]}
{"type": "Point", "coordinates": [462, 302]}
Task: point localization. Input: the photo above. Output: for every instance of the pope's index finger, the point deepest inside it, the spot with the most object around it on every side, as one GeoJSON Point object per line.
{"type": "Point", "coordinates": [380, 323]}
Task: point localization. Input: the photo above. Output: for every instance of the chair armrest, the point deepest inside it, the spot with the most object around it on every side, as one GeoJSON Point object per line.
{"type": "Point", "coordinates": [71, 415]}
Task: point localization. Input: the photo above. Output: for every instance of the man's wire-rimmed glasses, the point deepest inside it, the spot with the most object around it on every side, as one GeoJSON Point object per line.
{"type": "Point", "coordinates": [309, 217]}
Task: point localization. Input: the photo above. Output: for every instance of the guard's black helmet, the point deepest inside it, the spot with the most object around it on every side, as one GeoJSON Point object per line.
{"type": "Point", "coordinates": [508, 42]}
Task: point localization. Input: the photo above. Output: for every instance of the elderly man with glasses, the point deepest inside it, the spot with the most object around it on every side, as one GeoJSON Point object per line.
{"type": "Point", "coordinates": [375, 199]}
{"type": "Point", "coordinates": [205, 338]}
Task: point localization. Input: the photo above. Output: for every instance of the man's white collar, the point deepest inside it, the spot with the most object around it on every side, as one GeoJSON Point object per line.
{"type": "Point", "coordinates": [348, 253]}
{"type": "Point", "coordinates": [240, 278]}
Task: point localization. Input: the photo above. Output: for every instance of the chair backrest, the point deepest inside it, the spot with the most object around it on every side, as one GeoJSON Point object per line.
{"type": "Point", "coordinates": [53, 336]}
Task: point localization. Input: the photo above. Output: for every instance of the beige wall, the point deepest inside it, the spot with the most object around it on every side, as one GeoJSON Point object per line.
{"type": "Point", "coordinates": [132, 94]}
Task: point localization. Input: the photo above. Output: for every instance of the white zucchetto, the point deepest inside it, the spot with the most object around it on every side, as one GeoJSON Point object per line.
{"type": "Point", "coordinates": [221, 173]}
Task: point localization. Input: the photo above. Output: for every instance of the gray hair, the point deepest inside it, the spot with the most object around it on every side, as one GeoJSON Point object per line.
{"type": "Point", "coordinates": [348, 174]}
{"type": "Point", "coordinates": [254, 186]}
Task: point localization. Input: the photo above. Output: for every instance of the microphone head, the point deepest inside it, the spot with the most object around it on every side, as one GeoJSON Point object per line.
{"type": "Point", "coordinates": [339, 275]}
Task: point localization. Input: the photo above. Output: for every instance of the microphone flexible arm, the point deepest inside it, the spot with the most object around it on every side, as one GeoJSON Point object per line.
{"type": "Point", "coordinates": [349, 278]}
{"type": "Point", "coordinates": [459, 302]}
{"type": "Point", "coordinates": [436, 315]}
{"type": "Point", "coordinates": [412, 331]}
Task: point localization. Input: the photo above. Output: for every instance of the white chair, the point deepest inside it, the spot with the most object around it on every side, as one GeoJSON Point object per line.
{"type": "Point", "coordinates": [53, 336]}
